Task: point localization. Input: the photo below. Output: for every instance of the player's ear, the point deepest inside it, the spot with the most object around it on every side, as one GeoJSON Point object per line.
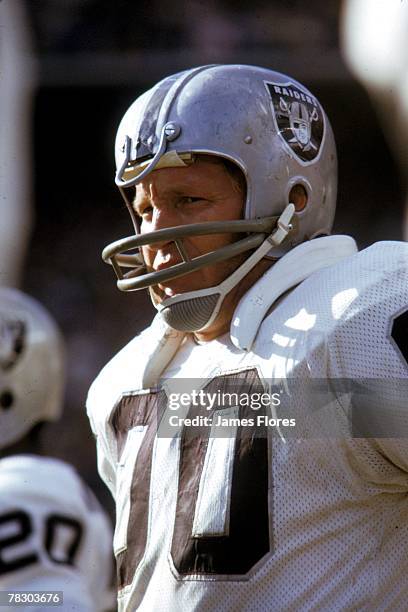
{"type": "Point", "coordinates": [298, 197]}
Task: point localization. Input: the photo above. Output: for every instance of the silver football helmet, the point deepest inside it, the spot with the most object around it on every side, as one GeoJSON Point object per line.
{"type": "Point", "coordinates": [266, 123]}
{"type": "Point", "coordinates": [31, 366]}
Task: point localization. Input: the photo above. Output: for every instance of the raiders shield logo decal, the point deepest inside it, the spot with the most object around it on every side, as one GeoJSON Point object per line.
{"type": "Point", "coordinates": [299, 120]}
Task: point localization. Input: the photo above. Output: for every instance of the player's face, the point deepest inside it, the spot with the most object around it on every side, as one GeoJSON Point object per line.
{"type": "Point", "coordinates": [169, 197]}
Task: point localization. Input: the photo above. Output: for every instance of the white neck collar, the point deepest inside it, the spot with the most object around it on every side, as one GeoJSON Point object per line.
{"type": "Point", "coordinates": [293, 268]}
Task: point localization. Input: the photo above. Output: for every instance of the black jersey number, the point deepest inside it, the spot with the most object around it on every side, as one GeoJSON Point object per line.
{"type": "Point", "coordinates": [194, 554]}
{"type": "Point", "coordinates": [19, 525]}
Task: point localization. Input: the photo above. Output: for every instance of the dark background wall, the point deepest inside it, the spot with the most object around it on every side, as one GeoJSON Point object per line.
{"type": "Point", "coordinates": [94, 58]}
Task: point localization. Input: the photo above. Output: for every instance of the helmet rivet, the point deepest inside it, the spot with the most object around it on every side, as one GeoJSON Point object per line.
{"type": "Point", "coordinates": [248, 139]}
{"type": "Point", "coordinates": [172, 130]}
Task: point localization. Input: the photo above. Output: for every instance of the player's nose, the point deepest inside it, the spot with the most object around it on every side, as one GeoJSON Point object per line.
{"type": "Point", "coordinates": [163, 218]}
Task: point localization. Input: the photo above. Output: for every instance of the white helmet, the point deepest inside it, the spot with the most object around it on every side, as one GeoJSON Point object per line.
{"type": "Point", "coordinates": [31, 366]}
{"type": "Point", "coordinates": [266, 123]}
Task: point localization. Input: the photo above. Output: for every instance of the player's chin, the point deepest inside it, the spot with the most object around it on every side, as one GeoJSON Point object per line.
{"type": "Point", "coordinates": [207, 277]}
{"type": "Point", "coordinates": [160, 293]}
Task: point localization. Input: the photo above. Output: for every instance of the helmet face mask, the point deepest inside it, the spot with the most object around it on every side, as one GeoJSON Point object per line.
{"type": "Point", "coordinates": [268, 125]}
{"type": "Point", "coordinates": [31, 366]}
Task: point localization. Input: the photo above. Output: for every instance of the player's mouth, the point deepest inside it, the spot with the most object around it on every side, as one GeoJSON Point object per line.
{"type": "Point", "coordinates": [173, 287]}
{"type": "Point", "coordinates": [168, 288]}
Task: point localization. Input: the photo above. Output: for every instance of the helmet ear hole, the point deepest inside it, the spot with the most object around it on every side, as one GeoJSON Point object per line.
{"type": "Point", "coordinates": [298, 197]}
{"type": "Point", "coordinates": [6, 400]}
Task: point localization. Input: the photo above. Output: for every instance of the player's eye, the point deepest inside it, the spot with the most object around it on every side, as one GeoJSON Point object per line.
{"type": "Point", "coordinates": [190, 200]}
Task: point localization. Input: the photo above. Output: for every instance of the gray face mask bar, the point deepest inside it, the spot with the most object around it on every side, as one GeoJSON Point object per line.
{"type": "Point", "coordinates": [139, 278]}
{"type": "Point", "coordinates": [196, 310]}
{"type": "Point", "coordinates": [169, 132]}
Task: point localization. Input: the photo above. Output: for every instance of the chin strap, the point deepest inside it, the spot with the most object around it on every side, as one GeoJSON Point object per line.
{"type": "Point", "coordinates": [196, 310]}
{"type": "Point", "coordinates": [297, 265]}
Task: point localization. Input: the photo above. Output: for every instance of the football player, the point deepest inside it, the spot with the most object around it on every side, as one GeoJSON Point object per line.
{"type": "Point", "coordinates": [54, 535]}
{"type": "Point", "coordinates": [244, 434]}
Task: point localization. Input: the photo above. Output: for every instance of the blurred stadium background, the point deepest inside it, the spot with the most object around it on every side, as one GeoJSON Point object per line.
{"type": "Point", "coordinates": [89, 59]}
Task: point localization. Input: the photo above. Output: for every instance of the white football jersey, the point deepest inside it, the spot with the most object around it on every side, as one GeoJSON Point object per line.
{"type": "Point", "coordinates": [54, 535]}
{"type": "Point", "coordinates": [304, 507]}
